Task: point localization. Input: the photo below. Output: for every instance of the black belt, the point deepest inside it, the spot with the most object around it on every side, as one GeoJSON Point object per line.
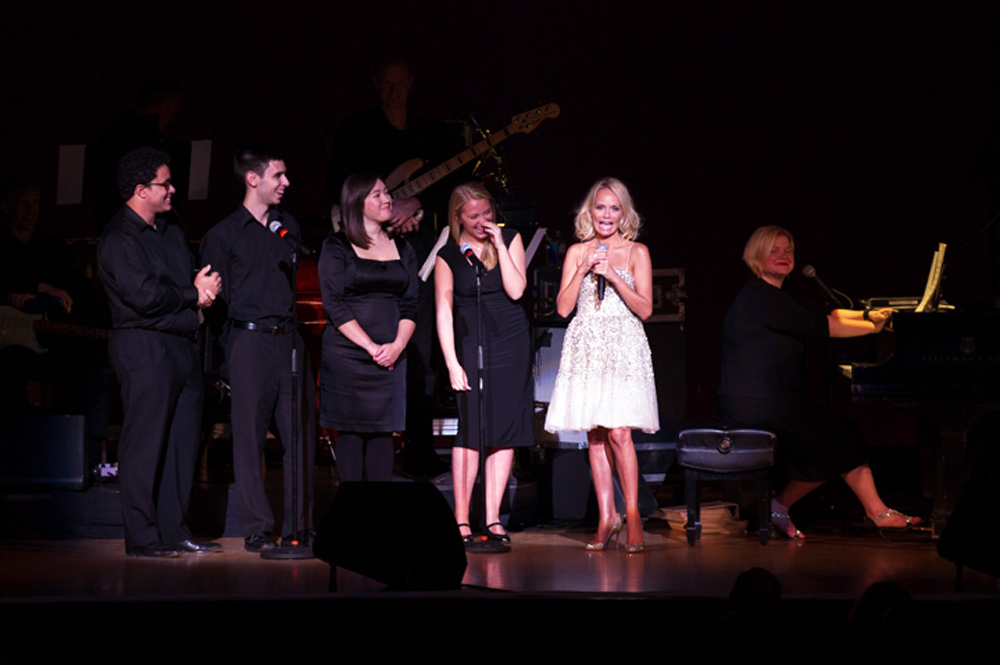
{"type": "Point", "coordinates": [283, 329]}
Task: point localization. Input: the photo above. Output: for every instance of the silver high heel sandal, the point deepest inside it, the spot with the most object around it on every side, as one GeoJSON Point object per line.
{"type": "Point", "coordinates": [635, 548]}
{"type": "Point", "coordinates": [877, 521]}
{"type": "Point", "coordinates": [780, 518]}
{"type": "Point", "coordinates": [598, 545]}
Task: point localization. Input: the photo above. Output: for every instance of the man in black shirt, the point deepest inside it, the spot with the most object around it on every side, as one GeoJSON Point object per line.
{"type": "Point", "coordinates": [382, 139]}
{"type": "Point", "coordinates": [146, 268]}
{"type": "Point", "coordinates": [258, 333]}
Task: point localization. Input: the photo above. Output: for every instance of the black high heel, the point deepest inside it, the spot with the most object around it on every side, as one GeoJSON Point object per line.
{"type": "Point", "coordinates": [502, 537]}
{"type": "Point", "coordinates": [466, 539]}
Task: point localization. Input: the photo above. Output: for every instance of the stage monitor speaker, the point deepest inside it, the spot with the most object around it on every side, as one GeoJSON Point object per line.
{"type": "Point", "coordinates": [42, 453]}
{"type": "Point", "coordinates": [400, 534]}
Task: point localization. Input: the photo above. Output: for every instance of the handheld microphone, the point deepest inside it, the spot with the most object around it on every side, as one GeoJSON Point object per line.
{"type": "Point", "coordinates": [470, 254]}
{"type": "Point", "coordinates": [601, 282]}
{"type": "Point", "coordinates": [810, 272]}
{"type": "Point", "coordinates": [275, 225]}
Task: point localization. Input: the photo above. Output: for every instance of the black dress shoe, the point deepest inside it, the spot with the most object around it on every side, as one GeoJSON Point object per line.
{"type": "Point", "coordinates": [258, 543]}
{"type": "Point", "coordinates": [198, 546]}
{"type": "Point", "coordinates": [155, 550]}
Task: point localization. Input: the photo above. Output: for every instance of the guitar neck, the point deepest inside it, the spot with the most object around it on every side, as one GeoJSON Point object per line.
{"type": "Point", "coordinates": [70, 329]}
{"type": "Point", "coordinates": [421, 183]}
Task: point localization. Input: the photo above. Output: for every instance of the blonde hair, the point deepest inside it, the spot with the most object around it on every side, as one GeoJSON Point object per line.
{"type": "Point", "coordinates": [631, 222]}
{"type": "Point", "coordinates": [759, 246]}
{"type": "Point", "coordinates": [471, 191]}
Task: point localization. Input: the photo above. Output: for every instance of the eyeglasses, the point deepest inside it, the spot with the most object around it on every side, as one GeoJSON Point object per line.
{"type": "Point", "coordinates": [166, 184]}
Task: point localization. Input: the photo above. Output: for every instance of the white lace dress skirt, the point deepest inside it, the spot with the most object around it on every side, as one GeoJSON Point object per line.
{"type": "Point", "coordinates": [605, 374]}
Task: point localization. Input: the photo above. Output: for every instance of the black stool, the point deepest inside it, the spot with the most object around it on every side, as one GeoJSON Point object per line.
{"type": "Point", "coordinates": [718, 454]}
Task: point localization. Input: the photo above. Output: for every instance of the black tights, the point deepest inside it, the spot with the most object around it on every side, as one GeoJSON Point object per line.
{"type": "Point", "coordinates": [364, 456]}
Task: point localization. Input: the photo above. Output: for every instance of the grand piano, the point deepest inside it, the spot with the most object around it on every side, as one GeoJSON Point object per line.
{"type": "Point", "coordinates": [946, 365]}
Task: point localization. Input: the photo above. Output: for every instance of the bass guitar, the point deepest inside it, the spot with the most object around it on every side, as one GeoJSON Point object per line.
{"type": "Point", "coordinates": [399, 185]}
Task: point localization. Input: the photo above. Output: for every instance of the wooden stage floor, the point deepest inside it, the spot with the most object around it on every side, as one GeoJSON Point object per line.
{"type": "Point", "coordinates": [60, 599]}
{"type": "Point", "coordinates": [540, 561]}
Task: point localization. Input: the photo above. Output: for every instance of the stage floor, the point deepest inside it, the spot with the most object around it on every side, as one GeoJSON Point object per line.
{"type": "Point", "coordinates": [540, 561]}
{"type": "Point", "coordinates": [547, 600]}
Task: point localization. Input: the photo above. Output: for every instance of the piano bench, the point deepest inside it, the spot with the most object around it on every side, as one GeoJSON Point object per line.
{"type": "Point", "coordinates": [721, 454]}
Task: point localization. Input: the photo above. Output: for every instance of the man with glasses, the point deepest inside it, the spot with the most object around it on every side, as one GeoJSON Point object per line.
{"type": "Point", "coordinates": [155, 295]}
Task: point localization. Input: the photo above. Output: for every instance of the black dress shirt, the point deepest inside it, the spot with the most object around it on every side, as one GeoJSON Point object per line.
{"type": "Point", "coordinates": [258, 276]}
{"type": "Point", "coordinates": [148, 274]}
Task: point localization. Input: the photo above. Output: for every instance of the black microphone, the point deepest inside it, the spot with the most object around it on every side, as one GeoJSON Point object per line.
{"type": "Point", "coordinates": [275, 225]}
{"type": "Point", "coordinates": [470, 254]}
{"type": "Point", "coordinates": [810, 272]}
{"type": "Point", "coordinates": [601, 282]}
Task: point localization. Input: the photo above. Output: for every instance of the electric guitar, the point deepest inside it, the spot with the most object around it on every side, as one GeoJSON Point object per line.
{"type": "Point", "coordinates": [401, 188]}
{"type": "Point", "coordinates": [19, 328]}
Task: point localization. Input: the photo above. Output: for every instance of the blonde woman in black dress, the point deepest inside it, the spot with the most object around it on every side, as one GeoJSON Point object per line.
{"type": "Point", "coordinates": [507, 349]}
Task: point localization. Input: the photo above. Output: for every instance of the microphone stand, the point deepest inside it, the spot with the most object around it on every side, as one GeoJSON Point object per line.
{"type": "Point", "coordinates": [485, 545]}
{"type": "Point", "coordinates": [297, 549]}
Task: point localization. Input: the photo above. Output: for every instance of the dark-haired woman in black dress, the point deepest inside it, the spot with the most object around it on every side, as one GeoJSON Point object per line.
{"type": "Point", "coordinates": [369, 286]}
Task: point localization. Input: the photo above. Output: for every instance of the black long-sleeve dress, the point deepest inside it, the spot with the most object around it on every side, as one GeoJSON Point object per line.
{"type": "Point", "coordinates": [764, 383]}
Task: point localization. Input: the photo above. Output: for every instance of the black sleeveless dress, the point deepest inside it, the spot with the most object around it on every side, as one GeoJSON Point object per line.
{"type": "Point", "coordinates": [509, 389]}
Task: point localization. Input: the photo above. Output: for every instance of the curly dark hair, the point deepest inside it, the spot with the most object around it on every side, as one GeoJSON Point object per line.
{"type": "Point", "coordinates": [139, 167]}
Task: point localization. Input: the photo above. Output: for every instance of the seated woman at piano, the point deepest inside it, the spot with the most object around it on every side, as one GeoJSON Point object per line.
{"type": "Point", "coordinates": [764, 384]}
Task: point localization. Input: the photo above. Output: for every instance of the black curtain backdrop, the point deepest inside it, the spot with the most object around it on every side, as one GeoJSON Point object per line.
{"type": "Point", "coordinates": [868, 129]}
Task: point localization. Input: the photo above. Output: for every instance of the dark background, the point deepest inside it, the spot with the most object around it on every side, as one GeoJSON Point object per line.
{"type": "Point", "coordinates": [868, 129]}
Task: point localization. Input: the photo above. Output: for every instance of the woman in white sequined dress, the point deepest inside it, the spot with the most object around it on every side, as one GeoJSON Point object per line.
{"type": "Point", "coordinates": [605, 382]}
